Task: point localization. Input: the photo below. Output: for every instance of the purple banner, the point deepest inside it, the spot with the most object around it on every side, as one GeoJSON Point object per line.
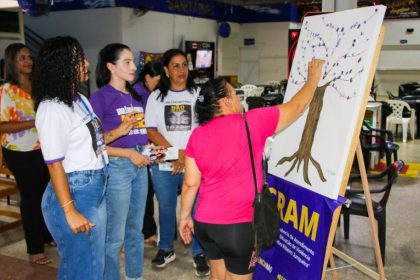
{"type": "Point", "coordinates": [305, 221]}
{"type": "Point", "coordinates": [197, 8]}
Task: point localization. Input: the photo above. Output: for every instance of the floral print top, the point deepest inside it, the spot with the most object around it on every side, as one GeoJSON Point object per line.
{"type": "Point", "coordinates": [16, 105]}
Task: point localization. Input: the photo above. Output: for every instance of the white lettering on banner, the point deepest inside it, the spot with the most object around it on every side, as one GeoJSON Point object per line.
{"type": "Point", "coordinates": [302, 244]}
{"type": "Point", "coordinates": [295, 248]}
{"type": "Point", "coordinates": [299, 260]}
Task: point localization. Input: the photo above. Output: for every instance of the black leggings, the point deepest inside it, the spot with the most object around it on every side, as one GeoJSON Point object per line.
{"type": "Point", "coordinates": [234, 243]}
{"type": "Point", "coordinates": [31, 175]}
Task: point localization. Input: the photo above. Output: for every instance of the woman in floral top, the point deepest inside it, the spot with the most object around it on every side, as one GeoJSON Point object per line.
{"type": "Point", "coordinates": [21, 149]}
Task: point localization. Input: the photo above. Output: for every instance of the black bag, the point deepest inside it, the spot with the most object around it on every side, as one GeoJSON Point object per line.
{"type": "Point", "coordinates": [266, 215]}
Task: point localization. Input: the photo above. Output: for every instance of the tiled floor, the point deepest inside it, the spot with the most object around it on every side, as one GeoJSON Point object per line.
{"type": "Point", "coordinates": [403, 241]}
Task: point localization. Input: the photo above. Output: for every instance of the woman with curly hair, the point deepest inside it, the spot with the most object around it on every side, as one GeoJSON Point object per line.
{"type": "Point", "coordinates": [21, 150]}
{"type": "Point", "coordinates": [73, 146]}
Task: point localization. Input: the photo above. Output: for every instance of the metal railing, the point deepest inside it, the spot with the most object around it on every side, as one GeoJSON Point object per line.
{"type": "Point", "coordinates": [34, 41]}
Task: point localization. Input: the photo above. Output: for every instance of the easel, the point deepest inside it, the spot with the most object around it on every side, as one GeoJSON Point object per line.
{"type": "Point", "coordinates": [357, 149]}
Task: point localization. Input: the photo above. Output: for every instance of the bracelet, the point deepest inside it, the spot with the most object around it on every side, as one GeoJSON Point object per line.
{"type": "Point", "coordinates": [67, 203]}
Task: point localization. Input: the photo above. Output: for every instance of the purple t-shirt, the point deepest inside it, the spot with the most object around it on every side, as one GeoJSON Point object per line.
{"type": "Point", "coordinates": [143, 92]}
{"type": "Point", "coordinates": [220, 149]}
{"type": "Point", "coordinates": [111, 106]}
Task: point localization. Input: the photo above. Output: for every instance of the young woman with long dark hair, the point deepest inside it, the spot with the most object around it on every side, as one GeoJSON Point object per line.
{"type": "Point", "coordinates": [127, 186]}
{"type": "Point", "coordinates": [21, 149]}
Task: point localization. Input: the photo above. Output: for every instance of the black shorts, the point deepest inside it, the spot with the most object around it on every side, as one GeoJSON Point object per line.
{"type": "Point", "coordinates": [234, 243]}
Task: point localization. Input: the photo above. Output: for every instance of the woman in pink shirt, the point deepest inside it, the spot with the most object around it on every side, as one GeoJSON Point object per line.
{"type": "Point", "coordinates": [217, 164]}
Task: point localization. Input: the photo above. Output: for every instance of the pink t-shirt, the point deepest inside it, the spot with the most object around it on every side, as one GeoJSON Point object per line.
{"type": "Point", "coordinates": [220, 149]}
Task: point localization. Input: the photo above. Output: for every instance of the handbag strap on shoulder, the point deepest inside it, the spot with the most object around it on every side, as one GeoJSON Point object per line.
{"type": "Point", "coordinates": [265, 159]}
{"type": "Point", "coordinates": [251, 154]}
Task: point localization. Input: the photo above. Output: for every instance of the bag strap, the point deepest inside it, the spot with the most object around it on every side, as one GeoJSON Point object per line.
{"type": "Point", "coordinates": [265, 159]}
{"type": "Point", "coordinates": [251, 154]}
{"type": "Point", "coordinates": [265, 169]}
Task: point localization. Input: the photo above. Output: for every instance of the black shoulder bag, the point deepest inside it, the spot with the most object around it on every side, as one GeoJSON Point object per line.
{"type": "Point", "coordinates": [266, 215]}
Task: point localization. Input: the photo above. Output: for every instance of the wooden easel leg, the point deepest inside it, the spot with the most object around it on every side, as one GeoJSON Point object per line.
{"type": "Point", "coordinates": [372, 222]}
{"type": "Point", "coordinates": [333, 267]}
{"type": "Point", "coordinates": [357, 265]}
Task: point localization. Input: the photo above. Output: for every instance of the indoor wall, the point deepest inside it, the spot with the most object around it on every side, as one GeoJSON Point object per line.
{"type": "Point", "coordinates": [152, 32]}
{"type": "Point", "coordinates": [156, 32]}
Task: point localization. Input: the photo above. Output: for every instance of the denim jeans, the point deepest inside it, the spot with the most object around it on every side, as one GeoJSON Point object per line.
{"type": "Point", "coordinates": [82, 256]}
{"type": "Point", "coordinates": [126, 202]}
{"type": "Point", "coordinates": [166, 189]}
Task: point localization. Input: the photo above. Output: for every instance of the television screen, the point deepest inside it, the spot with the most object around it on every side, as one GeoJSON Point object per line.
{"type": "Point", "coordinates": [203, 59]}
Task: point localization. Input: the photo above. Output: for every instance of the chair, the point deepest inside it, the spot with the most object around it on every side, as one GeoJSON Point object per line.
{"type": "Point", "coordinates": [373, 89]}
{"type": "Point", "coordinates": [358, 205]}
{"type": "Point", "coordinates": [247, 89]}
{"type": "Point", "coordinates": [257, 91]}
{"type": "Point", "coordinates": [412, 88]}
{"type": "Point", "coordinates": [274, 85]}
{"type": "Point", "coordinates": [397, 117]}
{"type": "Point", "coordinates": [272, 99]}
{"type": "Point", "coordinates": [414, 102]}
{"type": "Point", "coordinates": [255, 102]}
{"type": "Point", "coordinates": [283, 86]}
{"type": "Point", "coordinates": [8, 187]}
{"type": "Point", "coordinates": [384, 145]}
{"type": "Point", "coordinates": [391, 96]}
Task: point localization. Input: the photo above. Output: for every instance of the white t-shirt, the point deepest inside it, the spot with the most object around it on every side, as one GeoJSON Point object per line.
{"type": "Point", "coordinates": [69, 135]}
{"type": "Point", "coordinates": [174, 117]}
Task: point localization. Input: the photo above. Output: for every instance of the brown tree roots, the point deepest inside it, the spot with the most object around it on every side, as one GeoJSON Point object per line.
{"type": "Point", "coordinates": [307, 139]}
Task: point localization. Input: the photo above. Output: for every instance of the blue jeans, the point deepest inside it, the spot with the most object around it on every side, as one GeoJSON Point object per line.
{"type": "Point", "coordinates": [166, 189]}
{"type": "Point", "coordinates": [126, 202]}
{"type": "Point", "coordinates": [82, 256]}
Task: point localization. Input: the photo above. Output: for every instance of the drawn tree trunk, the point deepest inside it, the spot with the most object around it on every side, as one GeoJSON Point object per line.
{"type": "Point", "coordinates": [307, 139]}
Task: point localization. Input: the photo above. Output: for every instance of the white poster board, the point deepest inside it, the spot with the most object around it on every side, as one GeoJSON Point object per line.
{"type": "Point", "coordinates": [313, 151]}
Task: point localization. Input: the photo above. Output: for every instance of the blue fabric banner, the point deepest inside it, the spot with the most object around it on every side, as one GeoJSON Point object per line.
{"type": "Point", "coordinates": [197, 8]}
{"type": "Point", "coordinates": [305, 221]}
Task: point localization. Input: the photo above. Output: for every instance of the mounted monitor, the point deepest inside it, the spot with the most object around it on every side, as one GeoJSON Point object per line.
{"type": "Point", "coordinates": [203, 59]}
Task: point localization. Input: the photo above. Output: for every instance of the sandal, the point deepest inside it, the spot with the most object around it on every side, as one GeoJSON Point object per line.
{"type": "Point", "coordinates": [40, 259]}
{"type": "Point", "coordinates": [151, 241]}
